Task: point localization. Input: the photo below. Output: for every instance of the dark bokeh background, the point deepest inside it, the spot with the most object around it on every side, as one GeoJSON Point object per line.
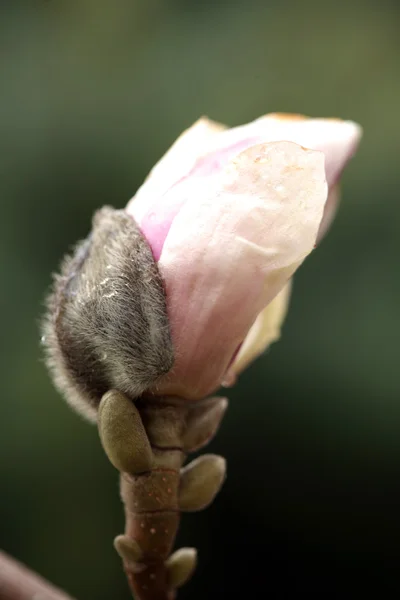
{"type": "Point", "coordinates": [91, 94]}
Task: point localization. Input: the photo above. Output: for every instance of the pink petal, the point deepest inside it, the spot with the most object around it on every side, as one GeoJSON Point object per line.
{"type": "Point", "coordinates": [174, 165]}
{"type": "Point", "coordinates": [337, 139]}
{"type": "Point", "coordinates": [265, 330]}
{"type": "Point", "coordinates": [230, 250]}
{"type": "Point", "coordinates": [206, 148]}
{"type": "Point", "coordinates": [330, 210]}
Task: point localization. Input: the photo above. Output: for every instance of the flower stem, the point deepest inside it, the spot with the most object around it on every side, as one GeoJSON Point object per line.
{"type": "Point", "coordinates": [148, 442]}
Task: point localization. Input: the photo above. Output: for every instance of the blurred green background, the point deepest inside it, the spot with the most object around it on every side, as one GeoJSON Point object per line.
{"type": "Point", "coordinates": [92, 93]}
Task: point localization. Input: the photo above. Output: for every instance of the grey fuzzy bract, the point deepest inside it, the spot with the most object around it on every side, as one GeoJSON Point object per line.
{"type": "Point", "coordinates": [106, 324]}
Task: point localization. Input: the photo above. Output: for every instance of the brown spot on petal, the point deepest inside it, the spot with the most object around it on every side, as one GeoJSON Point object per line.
{"type": "Point", "coordinates": [261, 160]}
{"type": "Point", "coordinates": [291, 168]}
{"type": "Point", "coordinates": [288, 116]}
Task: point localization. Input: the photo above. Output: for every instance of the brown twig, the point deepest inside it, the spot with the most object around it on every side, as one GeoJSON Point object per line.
{"type": "Point", "coordinates": [17, 582]}
{"type": "Point", "coordinates": [148, 442]}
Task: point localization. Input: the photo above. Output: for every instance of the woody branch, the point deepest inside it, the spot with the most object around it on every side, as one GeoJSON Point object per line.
{"type": "Point", "coordinates": [17, 582]}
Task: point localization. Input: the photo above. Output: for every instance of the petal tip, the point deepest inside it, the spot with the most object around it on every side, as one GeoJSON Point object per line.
{"type": "Point", "coordinates": [287, 116]}
{"type": "Point", "coordinates": [206, 123]}
{"type": "Point", "coordinates": [356, 129]}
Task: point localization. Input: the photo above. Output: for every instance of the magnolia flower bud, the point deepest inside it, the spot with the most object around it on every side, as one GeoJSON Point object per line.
{"type": "Point", "coordinates": [180, 292]}
{"type": "Point", "coordinates": [230, 214]}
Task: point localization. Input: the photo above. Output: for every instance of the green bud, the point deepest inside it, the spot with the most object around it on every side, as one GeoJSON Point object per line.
{"type": "Point", "coordinates": [123, 435]}
{"type": "Point", "coordinates": [200, 482]}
